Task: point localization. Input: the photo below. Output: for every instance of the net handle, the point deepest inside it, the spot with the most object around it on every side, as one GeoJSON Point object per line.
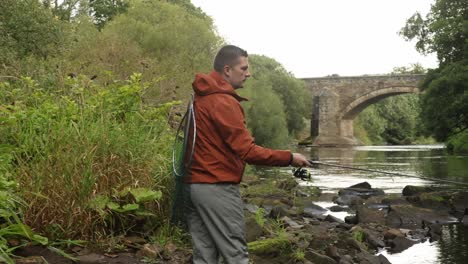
{"type": "Point", "coordinates": [187, 118]}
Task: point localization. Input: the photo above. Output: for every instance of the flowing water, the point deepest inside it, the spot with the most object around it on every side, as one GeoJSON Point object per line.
{"type": "Point", "coordinates": [421, 160]}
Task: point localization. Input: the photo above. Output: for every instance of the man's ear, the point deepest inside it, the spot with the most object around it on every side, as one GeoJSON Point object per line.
{"type": "Point", "coordinates": [227, 70]}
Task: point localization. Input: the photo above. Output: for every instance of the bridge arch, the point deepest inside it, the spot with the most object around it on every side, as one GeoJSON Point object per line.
{"type": "Point", "coordinates": [346, 116]}
{"type": "Point", "coordinates": [359, 104]}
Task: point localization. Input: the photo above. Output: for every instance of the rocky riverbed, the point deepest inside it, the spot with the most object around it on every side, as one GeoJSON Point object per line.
{"type": "Point", "coordinates": [286, 224]}
{"type": "Point", "coordinates": [375, 221]}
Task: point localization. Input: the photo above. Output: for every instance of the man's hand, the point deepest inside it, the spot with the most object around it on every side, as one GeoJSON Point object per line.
{"type": "Point", "coordinates": [300, 160]}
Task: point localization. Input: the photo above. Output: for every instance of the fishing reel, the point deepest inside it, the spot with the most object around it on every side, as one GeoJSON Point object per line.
{"type": "Point", "coordinates": [301, 173]}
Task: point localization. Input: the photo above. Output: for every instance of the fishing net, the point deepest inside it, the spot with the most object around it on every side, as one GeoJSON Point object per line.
{"type": "Point", "coordinates": [182, 154]}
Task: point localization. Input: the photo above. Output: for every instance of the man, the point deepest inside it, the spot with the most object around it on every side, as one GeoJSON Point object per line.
{"type": "Point", "coordinates": [223, 146]}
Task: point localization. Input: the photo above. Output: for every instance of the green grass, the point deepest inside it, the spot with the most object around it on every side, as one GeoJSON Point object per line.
{"type": "Point", "coordinates": [82, 143]}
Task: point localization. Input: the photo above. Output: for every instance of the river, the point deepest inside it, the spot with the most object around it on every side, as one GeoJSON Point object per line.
{"type": "Point", "coordinates": [420, 160]}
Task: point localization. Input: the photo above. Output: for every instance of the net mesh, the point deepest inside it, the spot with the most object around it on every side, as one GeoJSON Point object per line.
{"type": "Point", "coordinates": [182, 153]}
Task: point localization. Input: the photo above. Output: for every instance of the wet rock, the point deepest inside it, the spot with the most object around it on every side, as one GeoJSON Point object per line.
{"type": "Point", "coordinates": [332, 219]}
{"type": "Point", "coordinates": [392, 233]}
{"type": "Point", "coordinates": [351, 219]}
{"type": "Point", "coordinates": [251, 208]}
{"type": "Point", "coordinates": [346, 259]}
{"type": "Point", "coordinates": [378, 206]}
{"type": "Point", "coordinates": [394, 201]}
{"type": "Point", "coordinates": [399, 244]}
{"type": "Point", "coordinates": [459, 204]}
{"type": "Point", "coordinates": [465, 220]}
{"type": "Point", "coordinates": [349, 200]}
{"type": "Point", "coordinates": [279, 211]}
{"type": "Point", "coordinates": [308, 191]}
{"type": "Point", "coordinates": [317, 258]}
{"type": "Point", "coordinates": [291, 223]}
{"type": "Point", "coordinates": [434, 200]}
{"type": "Point", "coordinates": [253, 230]}
{"type": "Point", "coordinates": [337, 208]}
{"type": "Point", "coordinates": [149, 251]}
{"type": "Point", "coordinates": [383, 259]}
{"type": "Point", "coordinates": [434, 232]}
{"type": "Point", "coordinates": [372, 239]}
{"type": "Point", "coordinates": [362, 185]}
{"type": "Point", "coordinates": [269, 246]}
{"type": "Point", "coordinates": [366, 215]}
{"type": "Point", "coordinates": [411, 190]}
{"type": "Point", "coordinates": [344, 226]}
{"type": "Point", "coordinates": [362, 189]}
{"type": "Point", "coordinates": [408, 216]}
{"type": "Point", "coordinates": [332, 252]}
{"type": "Point", "coordinates": [367, 258]}
{"type": "Point", "coordinates": [313, 210]}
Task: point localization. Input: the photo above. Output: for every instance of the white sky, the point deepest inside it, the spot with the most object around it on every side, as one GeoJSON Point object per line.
{"type": "Point", "coordinates": [314, 38]}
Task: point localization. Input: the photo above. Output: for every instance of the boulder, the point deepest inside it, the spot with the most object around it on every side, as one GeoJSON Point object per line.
{"type": "Point", "coordinates": [279, 211]}
{"type": "Point", "coordinates": [408, 216]}
{"type": "Point", "coordinates": [459, 204]}
{"type": "Point", "coordinates": [269, 246]}
{"type": "Point", "coordinates": [337, 208]}
{"type": "Point", "coordinates": [251, 208]}
{"type": "Point", "coordinates": [351, 219]}
{"type": "Point", "coordinates": [392, 233]}
{"type": "Point", "coordinates": [313, 210]}
{"type": "Point", "coordinates": [317, 258]}
{"type": "Point", "coordinates": [411, 190]}
{"type": "Point", "coordinates": [350, 200]}
{"type": "Point", "coordinates": [465, 220]}
{"type": "Point", "coordinates": [399, 244]}
{"type": "Point", "coordinates": [434, 200]}
{"type": "Point", "coordinates": [291, 223]}
{"type": "Point", "coordinates": [332, 219]}
{"type": "Point", "coordinates": [332, 252]}
{"type": "Point", "coordinates": [366, 215]}
{"type": "Point", "coordinates": [373, 240]}
{"type": "Point", "coordinates": [363, 190]}
{"type": "Point", "coordinates": [252, 229]}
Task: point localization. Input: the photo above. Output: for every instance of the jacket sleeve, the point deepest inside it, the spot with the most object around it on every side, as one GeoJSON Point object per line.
{"type": "Point", "coordinates": [229, 120]}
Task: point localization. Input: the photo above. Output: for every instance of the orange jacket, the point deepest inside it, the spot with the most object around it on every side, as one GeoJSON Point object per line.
{"type": "Point", "coordinates": [223, 144]}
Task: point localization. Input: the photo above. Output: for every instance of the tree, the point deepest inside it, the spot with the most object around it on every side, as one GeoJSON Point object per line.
{"type": "Point", "coordinates": [443, 31]}
{"type": "Point", "coordinates": [104, 10]}
{"type": "Point", "coordinates": [292, 91]}
{"type": "Point", "coordinates": [266, 117]}
{"type": "Point", "coordinates": [28, 28]}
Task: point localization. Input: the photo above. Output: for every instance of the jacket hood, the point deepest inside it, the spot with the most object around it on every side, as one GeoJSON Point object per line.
{"type": "Point", "coordinates": [206, 84]}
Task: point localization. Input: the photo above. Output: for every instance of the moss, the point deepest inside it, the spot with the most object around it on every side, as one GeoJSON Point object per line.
{"type": "Point", "coordinates": [270, 246]}
{"type": "Point", "coordinates": [359, 235]}
{"type": "Point", "coordinates": [432, 197]}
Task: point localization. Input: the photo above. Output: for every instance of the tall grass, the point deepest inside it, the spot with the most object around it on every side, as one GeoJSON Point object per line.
{"type": "Point", "coordinates": [80, 150]}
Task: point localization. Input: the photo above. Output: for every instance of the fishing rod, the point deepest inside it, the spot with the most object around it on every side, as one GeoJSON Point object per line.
{"type": "Point", "coordinates": [387, 172]}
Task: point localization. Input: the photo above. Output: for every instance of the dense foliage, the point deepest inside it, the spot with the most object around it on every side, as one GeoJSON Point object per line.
{"type": "Point", "coordinates": [278, 102]}
{"type": "Point", "coordinates": [445, 99]}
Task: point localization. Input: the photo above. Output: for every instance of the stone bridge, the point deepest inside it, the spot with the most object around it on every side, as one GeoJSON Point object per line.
{"type": "Point", "coordinates": [338, 100]}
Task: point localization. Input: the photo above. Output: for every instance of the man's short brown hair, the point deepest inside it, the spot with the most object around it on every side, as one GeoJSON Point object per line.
{"type": "Point", "coordinates": [227, 55]}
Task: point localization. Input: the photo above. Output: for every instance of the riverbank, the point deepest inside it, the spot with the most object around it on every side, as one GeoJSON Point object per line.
{"type": "Point", "coordinates": [291, 223]}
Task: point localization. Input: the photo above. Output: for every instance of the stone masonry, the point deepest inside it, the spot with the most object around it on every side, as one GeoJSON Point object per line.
{"type": "Point", "coordinates": [338, 100]}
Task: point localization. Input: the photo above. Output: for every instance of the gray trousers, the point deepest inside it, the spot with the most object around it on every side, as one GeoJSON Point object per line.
{"type": "Point", "coordinates": [215, 219]}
